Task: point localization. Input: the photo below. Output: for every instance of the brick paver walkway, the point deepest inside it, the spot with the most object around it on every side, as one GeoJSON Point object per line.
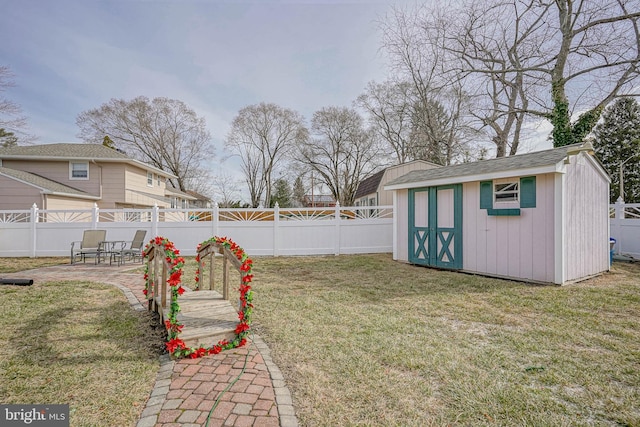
{"type": "Point", "coordinates": [187, 390]}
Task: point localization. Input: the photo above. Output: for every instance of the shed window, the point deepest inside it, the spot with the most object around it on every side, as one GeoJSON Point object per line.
{"type": "Point", "coordinates": [78, 170]}
{"type": "Point", "coordinates": [506, 192]}
{"type": "Point", "coordinates": [506, 198]}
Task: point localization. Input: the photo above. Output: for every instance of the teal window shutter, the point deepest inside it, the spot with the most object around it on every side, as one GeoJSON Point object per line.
{"type": "Point", "coordinates": [528, 192]}
{"type": "Point", "coordinates": [486, 194]}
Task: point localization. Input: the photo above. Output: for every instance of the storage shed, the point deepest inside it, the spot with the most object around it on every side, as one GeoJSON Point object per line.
{"type": "Point", "coordinates": [539, 217]}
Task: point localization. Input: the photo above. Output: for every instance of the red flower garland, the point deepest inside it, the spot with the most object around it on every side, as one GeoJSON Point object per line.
{"type": "Point", "coordinates": [177, 347]}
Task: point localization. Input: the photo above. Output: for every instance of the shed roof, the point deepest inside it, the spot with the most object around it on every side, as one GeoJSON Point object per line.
{"type": "Point", "coordinates": [73, 151]}
{"type": "Point", "coordinates": [48, 186]}
{"type": "Point", "coordinates": [530, 163]}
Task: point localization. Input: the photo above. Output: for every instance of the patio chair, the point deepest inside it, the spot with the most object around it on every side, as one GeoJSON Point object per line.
{"type": "Point", "coordinates": [131, 251]}
{"type": "Point", "coordinates": [91, 245]}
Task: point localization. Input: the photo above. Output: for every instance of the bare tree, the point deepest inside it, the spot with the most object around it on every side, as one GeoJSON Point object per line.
{"type": "Point", "coordinates": [163, 132]}
{"type": "Point", "coordinates": [599, 44]}
{"type": "Point", "coordinates": [525, 59]}
{"type": "Point", "coordinates": [226, 190]}
{"type": "Point", "coordinates": [12, 123]}
{"type": "Point", "coordinates": [488, 54]}
{"type": "Point", "coordinates": [261, 135]}
{"type": "Point", "coordinates": [389, 106]}
{"type": "Point", "coordinates": [538, 53]}
{"type": "Point", "coordinates": [439, 104]}
{"type": "Point", "coordinates": [341, 151]}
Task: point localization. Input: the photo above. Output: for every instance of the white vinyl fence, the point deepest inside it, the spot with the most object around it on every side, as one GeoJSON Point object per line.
{"type": "Point", "coordinates": [624, 226]}
{"type": "Point", "coordinates": [304, 231]}
{"type": "Point", "coordinates": [299, 231]}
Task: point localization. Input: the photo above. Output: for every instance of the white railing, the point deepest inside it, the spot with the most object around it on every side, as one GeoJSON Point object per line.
{"type": "Point", "coordinates": [624, 227]}
{"type": "Point", "coordinates": [295, 231]}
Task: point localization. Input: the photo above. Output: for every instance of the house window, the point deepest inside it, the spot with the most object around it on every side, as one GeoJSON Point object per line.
{"type": "Point", "coordinates": [150, 179]}
{"type": "Point", "coordinates": [174, 203]}
{"type": "Point", "coordinates": [158, 180]}
{"type": "Point", "coordinates": [506, 192]}
{"type": "Point", "coordinates": [78, 170]}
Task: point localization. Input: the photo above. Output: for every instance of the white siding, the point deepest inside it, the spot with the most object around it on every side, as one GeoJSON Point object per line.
{"type": "Point", "coordinates": [510, 246]}
{"type": "Point", "coordinates": [401, 216]}
{"type": "Point", "coordinates": [586, 220]}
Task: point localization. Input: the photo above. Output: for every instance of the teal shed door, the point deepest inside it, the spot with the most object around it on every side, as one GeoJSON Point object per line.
{"type": "Point", "coordinates": [435, 226]}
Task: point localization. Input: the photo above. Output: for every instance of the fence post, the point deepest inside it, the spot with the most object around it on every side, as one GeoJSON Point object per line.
{"type": "Point", "coordinates": [214, 219]}
{"type": "Point", "coordinates": [619, 208]}
{"type": "Point", "coordinates": [155, 215]}
{"type": "Point", "coordinates": [337, 238]}
{"type": "Point", "coordinates": [616, 233]}
{"type": "Point", "coordinates": [95, 217]}
{"type": "Point", "coordinates": [276, 224]}
{"type": "Point", "coordinates": [34, 230]}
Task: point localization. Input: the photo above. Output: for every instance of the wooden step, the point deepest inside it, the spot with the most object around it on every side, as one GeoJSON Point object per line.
{"type": "Point", "coordinates": [207, 318]}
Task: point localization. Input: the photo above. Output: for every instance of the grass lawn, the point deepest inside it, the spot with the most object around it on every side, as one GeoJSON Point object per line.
{"type": "Point", "coordinates": [361, 340]}
{"type": "Point", "coordinates": [77, 343]}
{"type": "Point", "coordinates": [11, 265]}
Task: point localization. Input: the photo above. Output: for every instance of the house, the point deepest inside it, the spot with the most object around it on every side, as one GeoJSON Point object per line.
{"type": "Point", "coordinates": [77, 176]}
{"type": "Point", "coordinates": [179, 199]}
{"type": "Point", "coordinates": [200, 200]}
{"type": "Point", "coordinates": [319, 201]}
{"type": "Point", "coordinates": [538, 217]}
{"type": "Point", "coordinates": [371, 191]}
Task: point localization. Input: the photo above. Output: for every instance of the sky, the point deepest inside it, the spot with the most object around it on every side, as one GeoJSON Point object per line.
{"type": "Point", "coordinates": [69, 56]}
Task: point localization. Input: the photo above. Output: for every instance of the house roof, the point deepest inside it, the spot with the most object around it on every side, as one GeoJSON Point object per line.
{"type": "Point", "coordinates": [46, 185]}
{"type": "Point", "coordinates": [531, 163]}
{"type": "Point", "coordinates": [369, 185]}
{"type": "Point", "coordinates": [170, 191]}
{"type": "Point", "coordinates": [74, 151]}
{"type": "Point", "coordinates": [198, 196]}
{"type": "Point", "coordinates": [320, 198]}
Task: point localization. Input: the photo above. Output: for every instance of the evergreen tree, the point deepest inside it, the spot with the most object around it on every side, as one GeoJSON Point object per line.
{"type": "Point", "coordinates": [298, 193]}
{"type": "Point", "coordinates": [107, 142]}
{"type": "Point", "coordinates": [617, 142]}
{"type": "Point", "coordinates": [282, 194]}
{"type": "Point", "coordinates": [7, 139]}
